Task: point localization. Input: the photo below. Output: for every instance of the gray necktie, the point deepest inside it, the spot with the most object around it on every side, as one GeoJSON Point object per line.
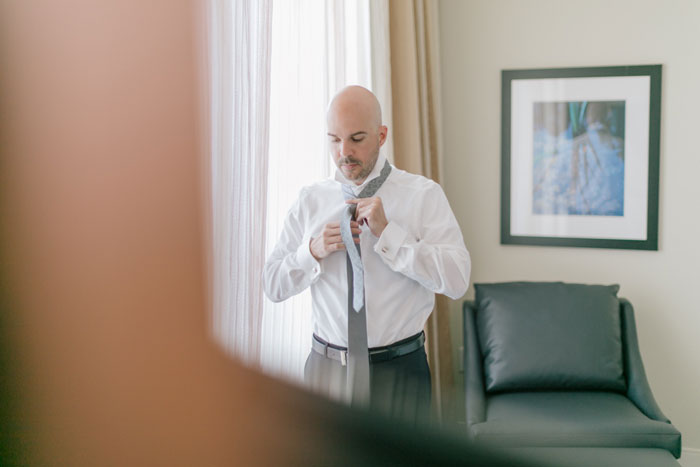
{"type": "Point", "coordinates": [358, 354]}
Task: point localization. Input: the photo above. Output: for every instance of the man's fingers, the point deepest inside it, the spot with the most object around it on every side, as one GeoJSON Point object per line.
{"type": "Point", "coordinates": [332, 237]}
{"type": "Point", "coordinates": [331, 247]}
{"type": "Point", "coordinates": [331, 232]}
{"type": "Point", "coordinates": [335, 232]}
{"type": "Point", "coordinates": [335, 239]}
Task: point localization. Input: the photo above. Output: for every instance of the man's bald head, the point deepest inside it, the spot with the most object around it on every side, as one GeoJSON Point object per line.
{"type": "Point", "coordinates": [355, 131]}
{"type": "Point", "coordinates": [358, 100]}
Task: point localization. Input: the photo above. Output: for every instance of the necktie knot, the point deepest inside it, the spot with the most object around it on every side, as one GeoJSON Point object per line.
{"type": "Point", "coordinates": [349, 194]}
{"type": "Point", "coordinates": [352, 248]}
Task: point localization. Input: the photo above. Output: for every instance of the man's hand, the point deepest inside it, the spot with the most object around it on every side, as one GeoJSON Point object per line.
{"type": "Point", "coordinates": [370, 211]}
{"type": "Point", "coordinates": [330, 240]}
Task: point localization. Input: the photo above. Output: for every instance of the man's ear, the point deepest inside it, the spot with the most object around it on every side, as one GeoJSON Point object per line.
{"type": "Point", "coordinates": [383, 131]}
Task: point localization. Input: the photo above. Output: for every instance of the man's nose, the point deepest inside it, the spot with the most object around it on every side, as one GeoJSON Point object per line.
{"type": "Point", "coordinates": [345, 148]}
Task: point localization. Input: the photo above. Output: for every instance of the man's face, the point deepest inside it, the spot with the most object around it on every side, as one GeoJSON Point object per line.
{"type": "Point", "coordinates": [354, 142]}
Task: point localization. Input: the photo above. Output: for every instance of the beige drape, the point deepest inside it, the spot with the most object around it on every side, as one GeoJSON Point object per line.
{"type": "Point", "coordinates": [415, 85]}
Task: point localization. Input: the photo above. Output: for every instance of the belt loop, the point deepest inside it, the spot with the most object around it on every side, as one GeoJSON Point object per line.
{"type": "Point", "coordinates": [325, 350]}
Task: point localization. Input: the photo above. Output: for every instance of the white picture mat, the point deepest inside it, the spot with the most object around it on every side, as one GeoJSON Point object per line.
{"type": "Point", "coordinates": [635, 91]}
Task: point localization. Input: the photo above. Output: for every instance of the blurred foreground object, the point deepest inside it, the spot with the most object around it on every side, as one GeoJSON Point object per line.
{"type": "Point", "coordinates": [105, 354]}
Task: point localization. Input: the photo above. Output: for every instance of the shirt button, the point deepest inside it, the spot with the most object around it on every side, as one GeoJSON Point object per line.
{"type": "Point", "coordinates": [315, 270]}
{"type": "Point", "coordinates": [384, 249]}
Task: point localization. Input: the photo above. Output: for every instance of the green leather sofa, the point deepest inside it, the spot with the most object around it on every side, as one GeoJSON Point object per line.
{"type": "Point", "coordinates": [552, 368]}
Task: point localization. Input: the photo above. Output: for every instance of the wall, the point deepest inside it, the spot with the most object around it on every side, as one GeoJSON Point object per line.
{"type": "Point", "coordinates": [479, 38]}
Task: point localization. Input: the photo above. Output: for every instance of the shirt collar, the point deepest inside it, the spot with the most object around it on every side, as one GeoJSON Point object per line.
{"type": "Point", "coordinates": [339, 177]}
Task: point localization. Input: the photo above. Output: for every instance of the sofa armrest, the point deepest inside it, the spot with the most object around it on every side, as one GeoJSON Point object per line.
{"type": "Point", "coordinates": [638, 389]}
{"type": "Point", "coordinates": [473, 369]}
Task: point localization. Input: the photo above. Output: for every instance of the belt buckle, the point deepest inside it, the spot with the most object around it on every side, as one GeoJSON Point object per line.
{"type": "Point", "coordinates": [344, 357]}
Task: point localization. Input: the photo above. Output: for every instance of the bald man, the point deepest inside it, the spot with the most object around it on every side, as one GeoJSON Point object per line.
{"type": "Point", "coordinates": [410, 248]}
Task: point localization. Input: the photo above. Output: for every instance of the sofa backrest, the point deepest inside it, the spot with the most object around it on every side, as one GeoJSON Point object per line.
{"type": "Point", "coordinates": [550, 336]}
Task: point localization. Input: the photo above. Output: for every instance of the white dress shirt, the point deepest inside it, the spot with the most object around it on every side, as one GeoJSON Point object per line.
{"type": "Point", "coordinates": [421, 252]}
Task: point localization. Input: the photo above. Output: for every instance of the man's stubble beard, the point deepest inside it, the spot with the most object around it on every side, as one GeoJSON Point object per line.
{"type": "Point", "coordinates": [364, 173]}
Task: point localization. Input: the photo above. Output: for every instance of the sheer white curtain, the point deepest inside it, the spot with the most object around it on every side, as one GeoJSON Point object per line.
{"type": "Point", "coordinates": [275, 64]}
{"type": "Point", "coordinates": [239, 46]}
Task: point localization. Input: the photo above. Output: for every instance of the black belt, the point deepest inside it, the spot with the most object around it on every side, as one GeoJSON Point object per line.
{"type": "Point", "coordinates": [376, 354]}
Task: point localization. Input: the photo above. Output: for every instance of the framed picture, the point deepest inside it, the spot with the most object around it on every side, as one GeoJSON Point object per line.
{"type": "Point", "coordinates": [580, 157]}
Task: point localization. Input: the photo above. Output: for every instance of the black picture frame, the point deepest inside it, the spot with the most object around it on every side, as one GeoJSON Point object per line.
{"type": "Point", "coordinates": [565, 218]}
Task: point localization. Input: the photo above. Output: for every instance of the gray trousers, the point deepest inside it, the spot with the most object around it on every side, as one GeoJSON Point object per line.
{"type": "Point", "coordinates": [399, 388]}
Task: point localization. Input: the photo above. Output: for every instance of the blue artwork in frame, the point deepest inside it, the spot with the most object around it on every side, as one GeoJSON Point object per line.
{"type": "Point", "coordinates": [580, 157]}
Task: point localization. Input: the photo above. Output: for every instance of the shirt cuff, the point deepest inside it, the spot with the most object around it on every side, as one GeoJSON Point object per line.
{"type": "Point", "coordinates": [390, 241]}
{"type": "Point", "coordinates": [306, 260]}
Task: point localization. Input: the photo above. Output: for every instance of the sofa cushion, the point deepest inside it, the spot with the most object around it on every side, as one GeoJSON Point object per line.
{"type": "Point", "coordinates": [572, 419]}
{"type": "Point", "coordinates": [549, 335]}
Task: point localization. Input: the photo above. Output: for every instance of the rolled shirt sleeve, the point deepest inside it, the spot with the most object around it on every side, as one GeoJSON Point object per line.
{"type": "Point", "coordinates": [391, 239]}
{"type": "Point", "coordinates": [291, 267]}
{"type": "Point", "coordinates": [434, 255]}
